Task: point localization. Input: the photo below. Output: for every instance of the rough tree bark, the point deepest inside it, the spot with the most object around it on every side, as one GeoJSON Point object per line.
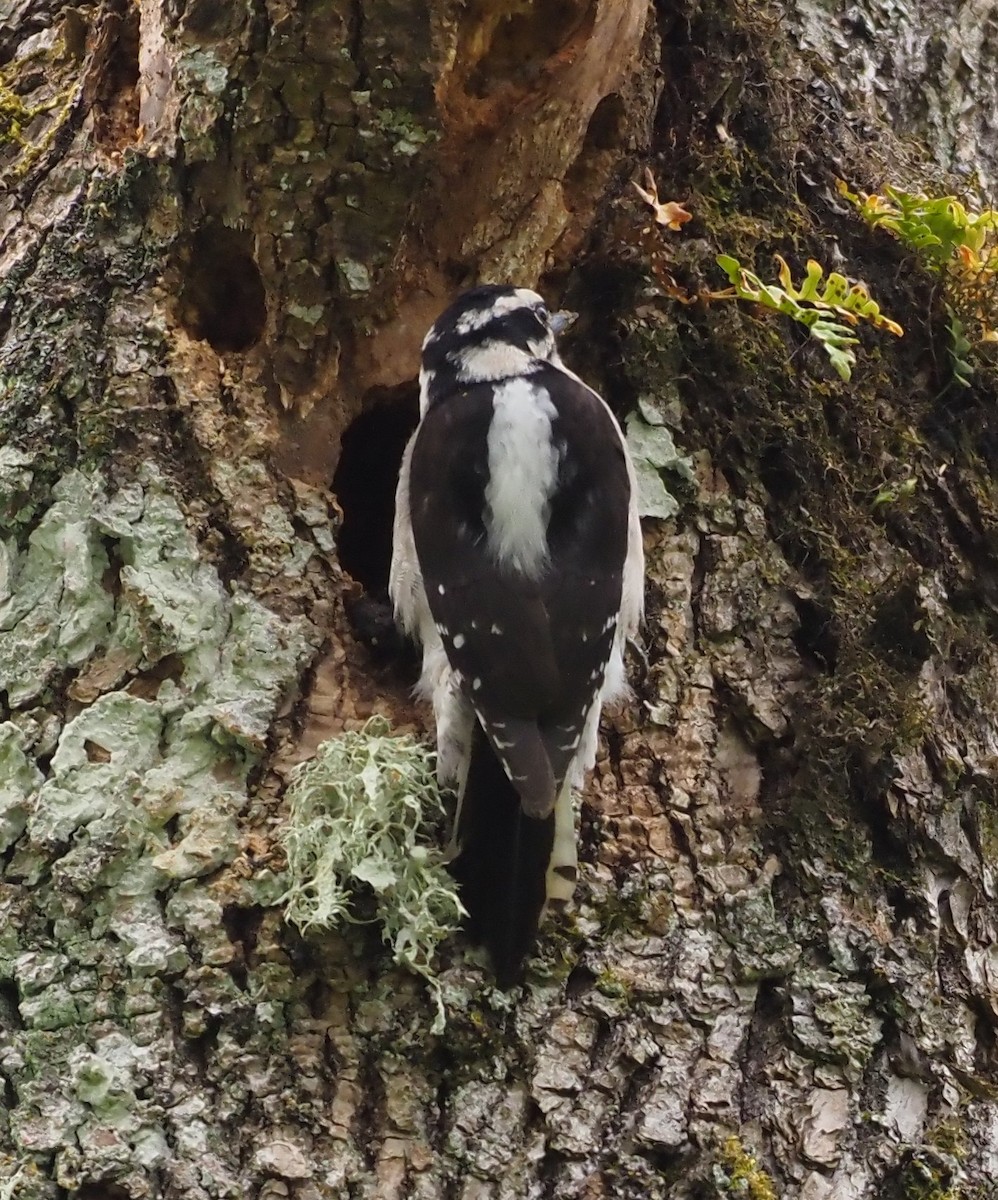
{"type": "Point", "coordinates": [224, 228]}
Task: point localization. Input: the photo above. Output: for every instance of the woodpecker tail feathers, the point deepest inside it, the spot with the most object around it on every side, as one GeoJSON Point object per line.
{"type": "Point", "coordinates": [502, 863]}
{"type": "Point", "coordinates": [521, 750]}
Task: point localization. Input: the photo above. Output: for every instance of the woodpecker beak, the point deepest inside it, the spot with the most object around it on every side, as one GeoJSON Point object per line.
{"type": "Point", "coordinates": [560, 321]}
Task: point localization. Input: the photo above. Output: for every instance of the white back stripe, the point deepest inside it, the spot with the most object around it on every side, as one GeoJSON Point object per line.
{"type": "Point", "coordinates": [523, 471]}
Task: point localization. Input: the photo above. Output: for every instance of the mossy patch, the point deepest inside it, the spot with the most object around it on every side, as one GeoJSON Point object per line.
{"type": "Point", "coordinates": [879, 491]}
{"type": "Point", "coordinates": [738, 1173]}
{"type": "Point", "coordinates": [34, 106]}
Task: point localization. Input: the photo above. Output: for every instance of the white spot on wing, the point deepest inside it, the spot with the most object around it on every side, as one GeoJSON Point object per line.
{"type": "Point", "coordinates": [476, 683]}
{"type": "Point", "coordinates": [497, 629]}
{"type": "Point", "coordinates": [441, 590]}
{"type": "Point", "coordinates": [458, 640]}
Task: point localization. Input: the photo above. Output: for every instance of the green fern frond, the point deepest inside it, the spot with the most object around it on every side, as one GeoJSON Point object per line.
{"type": "Point", "coordinates": [828, 306]}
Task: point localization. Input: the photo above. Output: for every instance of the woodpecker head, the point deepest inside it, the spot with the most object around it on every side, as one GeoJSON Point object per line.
{"type": "Point", "coordinates": [491, 333]}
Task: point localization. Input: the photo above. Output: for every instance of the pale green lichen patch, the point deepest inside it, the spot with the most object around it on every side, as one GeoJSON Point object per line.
{"type": "Point", "coordinates": [61, 611]}
{"type": "Point", "coordinates": [411, 133]}
{"type": "Point", "coordinates": [203, 80]}
{"type": "Point", "coordinates": [356, 811]}
{"type": "Point", "coordinates": [99, 1084]}
{"type": "Point", "coordinates": [199, 915]}
{"type": "Point", "coordinates": [652, 452]}
{"type": "Point", "coordinates": [55, 612]}
{"type": "Point", "coordinates": [125, 765]}
{"type": "Point", "coordinates": [163, 683]}
{"type": "Point", "coordinates": [762, 946]}
{"type": "Point", "coordinates": [16, 478]}
{"type": "Point", "coordinates": [832, 1019]}
{"type": "Point", "coordinates": [96, 772]}
{"type": "Point", "coordinates": [355, 275]}
{"type": "Point", "coordinates": [19, 777]}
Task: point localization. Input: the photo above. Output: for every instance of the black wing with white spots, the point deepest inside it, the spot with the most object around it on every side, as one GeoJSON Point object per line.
{"type": "Point", "coordinates": [516, 554]}
{"type": "Point", "coordinates": [531, 648]}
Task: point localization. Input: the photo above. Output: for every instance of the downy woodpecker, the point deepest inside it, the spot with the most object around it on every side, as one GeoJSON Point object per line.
{"type": "Point", "coordinates": [517, 564]}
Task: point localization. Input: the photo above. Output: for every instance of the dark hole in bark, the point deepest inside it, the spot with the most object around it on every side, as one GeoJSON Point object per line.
{"type": "Point", "coordinates": [102, 1191]}
{"type": "Point", "coordinates": [243, 926]}
{"type": "Point", "coordinates": [146, 685]}
{"type": "Point", "coordinates": [603, 137]}
{"type": "Point", "coordinates": [898, 629]}
{"type": "Point", "coordinates": [986, 1053]}
{"type": "Point", "coordinates": [223, 301]}
{"type": "Point", "coordinates": [244, 929]}
{"type": "Point", "coordinates": [95, 752]}
{"type": "Point", "coordinates": [201, 1046]}
{"type": "Point", "coordinates": [905, 905]}
{"type": "Point", "coordinates": [603, 131]}
{"type": "Point", "coordinates": [212, 18]}
{"type": "Point", "coordinates": [317, 996]}
{"type": "Point", "coordinates": [10, 1006]}
{"type": "Point", "coordinates": [817, 637]}
{"type": "Point", "coordinates": [522, 41]}
{"type": "Point", "coordinates": [364, 485]}
{"type": "Point", "coordinates": [868, 780]}
{"type": "Point", "coordinates": [111, 579]}
{"type": "Point", "coordinates": [580, 981]}
{"type": "Point", "coordinates": [778, 474]}
{"type": "Point", "coordinates": [116, 106]}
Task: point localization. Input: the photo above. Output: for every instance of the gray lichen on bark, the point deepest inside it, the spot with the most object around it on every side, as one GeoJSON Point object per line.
{"type": "Point", "coordinates": [175, 684]}
{"type": "Point", "coordinates": [915, 67]}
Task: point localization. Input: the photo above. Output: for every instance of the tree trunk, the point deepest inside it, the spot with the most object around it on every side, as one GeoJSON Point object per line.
{"type": "Point", "coordinates": [224, 230]}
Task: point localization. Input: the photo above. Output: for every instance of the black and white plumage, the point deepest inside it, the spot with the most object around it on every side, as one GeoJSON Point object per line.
{"type": "Point", "coordinates": [517, 564]}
